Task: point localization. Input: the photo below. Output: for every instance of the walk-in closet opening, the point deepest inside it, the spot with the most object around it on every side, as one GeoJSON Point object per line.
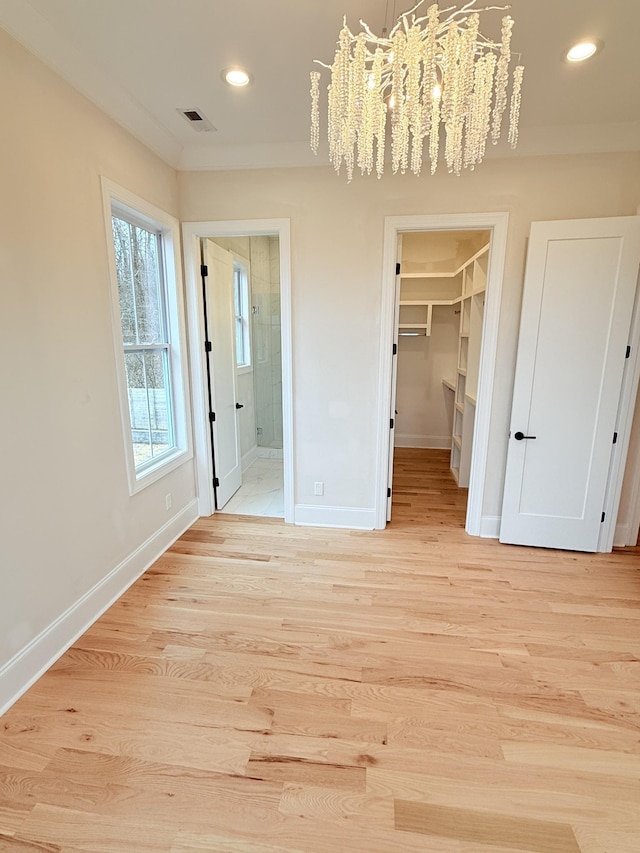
{"type": "Point", "coordinates": [242, 313]}
{"type": "Point", "coordinates": [441, 284]}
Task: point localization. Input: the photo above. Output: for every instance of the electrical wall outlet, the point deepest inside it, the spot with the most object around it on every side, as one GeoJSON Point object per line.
{"type": "Point", "coordinates": [168, 501]}
{"type": "Point", "coordinates": [318, 488]}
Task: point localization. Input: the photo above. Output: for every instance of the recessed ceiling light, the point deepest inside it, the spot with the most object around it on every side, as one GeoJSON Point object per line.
{"type": "Point", "coordinates": [583, 50]}
{"type": "Point", "coordinates": [237, 77]}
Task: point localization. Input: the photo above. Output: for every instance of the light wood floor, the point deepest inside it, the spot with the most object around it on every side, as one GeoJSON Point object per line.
{"type": "Point", "coordinates": [270, 688]}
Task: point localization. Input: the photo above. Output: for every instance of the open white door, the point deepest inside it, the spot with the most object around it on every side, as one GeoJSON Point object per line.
{"type": "Point", "coordinates": [394, 378]}
{"type": "Point", "coordinates": [221, 329]}
{"type": "Point", "coordinates": [577, 307]}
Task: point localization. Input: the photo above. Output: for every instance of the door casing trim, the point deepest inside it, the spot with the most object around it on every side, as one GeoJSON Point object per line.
{"type": "Point", "coordinates": [497, 223]}
{"type": "Point", "coordinates": [191, 234]}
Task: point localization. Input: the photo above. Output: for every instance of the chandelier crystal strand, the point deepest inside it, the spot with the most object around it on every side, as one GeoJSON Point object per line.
{"type": "Point", "coordinates": [468, 39]}
{"type": "Point", "coordinates": [516, 94]}
{"type": "Point", "coordinates": [315, 111]}
{"type": "Point", "coordinates": [502, 79]}
{"type": "Point", "coordinates": [480, 112]}
{"type": "Point", "coordinates": [357, 97]}
{"type": "Point", "coordinates": [429, 73]}
{"type": "Point", "coordinates": [426, 73]}
{"type": "Point", "coordinates": [415, 55]}
{"type": "Point", "coordinates": [379, 116]}
{"type": "Point", "coordinates": [451, 96]}
{"type": "Point", "coordinates": [397, 104]}
{"type": "Point", "coordinates": [434, 135]}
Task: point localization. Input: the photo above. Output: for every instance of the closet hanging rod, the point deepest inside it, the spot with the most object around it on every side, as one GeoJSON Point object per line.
{"type": "Point", "coordinates": [412, 334]}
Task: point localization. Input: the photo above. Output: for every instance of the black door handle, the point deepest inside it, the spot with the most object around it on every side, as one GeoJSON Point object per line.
{"type": "Point", "coordinates": [239, 406]}
{"type": "Point", "coordinates": [520, 435]}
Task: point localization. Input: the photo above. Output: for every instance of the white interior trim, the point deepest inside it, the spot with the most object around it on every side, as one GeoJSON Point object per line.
{"type": "Point", "coordinates": [351, 518]}
{"type": "Point", "coordinates": [121, 200]}
{"type": "Point", "coordinates": [249, 457]}
{"type": "Point", "coordinates": [191, 234]}
{"type": "Point", "coordinates": [626, 408]}
{"type": "Point", "coordinates": [431, 442]}
{"type": "Point", "coordinates": [497, 223]}
{"type": "Point", "coordinates": [25, 668]}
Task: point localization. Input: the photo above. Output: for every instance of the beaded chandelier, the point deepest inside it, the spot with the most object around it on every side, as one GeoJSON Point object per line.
{"type": "Point", "coordinates": [425, 73]}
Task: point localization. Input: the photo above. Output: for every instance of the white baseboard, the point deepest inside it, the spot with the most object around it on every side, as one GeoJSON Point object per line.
{"type": "Point", "coordinates": [26, 667]}
{"type": "Point", "coordinates": [249, 457]}
{"type": "Point", "coordinates": [334, 516]}
{"type": "Point", "coordinates": [270, 453]}
{"type": "Point", "coordinates": [490, 527]}
{"type": "Point", "coordinates": [428, 442]}
{"type": "Point", "coordinates": [621, 537]}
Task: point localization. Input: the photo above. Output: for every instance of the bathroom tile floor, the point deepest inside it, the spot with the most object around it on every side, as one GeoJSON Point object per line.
{"type": "Point", "coordinates": [262, 490]}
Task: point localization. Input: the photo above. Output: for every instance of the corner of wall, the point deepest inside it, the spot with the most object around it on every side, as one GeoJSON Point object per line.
{"type": "Point", "coordinates": [26, 667]}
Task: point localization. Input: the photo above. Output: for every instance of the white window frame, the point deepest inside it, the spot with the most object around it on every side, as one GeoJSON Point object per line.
{"type": "Point", "coordinates": [119, 201]}
{"type": "Point", "coordinates": [242, 265]}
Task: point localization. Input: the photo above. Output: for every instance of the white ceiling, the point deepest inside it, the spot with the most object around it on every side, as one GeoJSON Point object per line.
{"type": "Point", "coordinates": [141, 60]}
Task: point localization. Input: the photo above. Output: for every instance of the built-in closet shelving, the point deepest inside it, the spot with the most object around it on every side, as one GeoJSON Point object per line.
{"type": "Point", "coordinates": [418, 301]}
{"type": "Point", "coordinates": [474, 284]}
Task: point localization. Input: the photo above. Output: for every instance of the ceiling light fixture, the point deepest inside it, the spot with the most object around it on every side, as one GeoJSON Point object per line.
{"type": "Point", "coordinates": [583, 50]}
{"type": "Point", "coordinates": [425, 73]}
{"type": "Point", "coordinates": [237, 77]}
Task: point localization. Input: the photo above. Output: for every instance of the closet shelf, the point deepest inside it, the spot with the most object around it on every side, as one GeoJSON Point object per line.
{"type": "Point", "coordinates": [413, 325]}
{"type": "Point", "coordinates": [426, 302]}
{"type": "Point", "coordinates": [457, 440]}
{"type": "Point", "coordinates": [453, 274]}
{"type": "Point", "coordinates": [460, 408]}
{"type": "Point", "coordinates": [451, 386]}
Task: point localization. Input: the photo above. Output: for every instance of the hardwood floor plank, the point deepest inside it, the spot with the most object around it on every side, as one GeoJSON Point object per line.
{"type": "Point", "coordinates": [274, 689]}
{"type": "Point", "coordinates": [485, 828]}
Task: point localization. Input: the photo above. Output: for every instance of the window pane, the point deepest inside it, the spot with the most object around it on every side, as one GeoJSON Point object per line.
{"type": "Point", "coordinates": [122, 247]}
{"type": "Point", "coordinates": [239, 341]}
{"type": "Point", "coordinates": [158, 398]}
{"type": "Point", "coordinates": [149, 410]}
{"type": "Point", "coordinates": [139, 283]}
{"type": "Point", "coordinates": [237, 291]}
{"type": "Point", "coordinates": [138, 407]}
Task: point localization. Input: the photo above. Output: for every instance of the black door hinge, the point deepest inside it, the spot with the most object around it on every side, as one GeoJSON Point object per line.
{"type": "Point", "coordinates": [212, 417]}
{"type": "Point", "coordinates": [628, 352]}
{"type": "Point", "coordinates": [395, 349]}
{"type": "Point", "coordinates": [207, 346]}
{"type": "Point", "coordinates": [204, 270]}
{"type": "Point", "coordinates": [391, 423]}
{"type": "Point", "coordinates": [388, 493]}
{"type": "Point", "coordinates": [615, 438]}
{"type": "Point", "coordinates": [602, 519]}
{"type": "Point", "coordinates": [397, 269]}
{"type": "Point", "coordinates": [216, 482]}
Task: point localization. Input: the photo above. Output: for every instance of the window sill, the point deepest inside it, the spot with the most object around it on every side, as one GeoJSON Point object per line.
{"type": "Point", "coordinates": [246, 368]}
{"type": "Point", "coordinates": [154, 473]}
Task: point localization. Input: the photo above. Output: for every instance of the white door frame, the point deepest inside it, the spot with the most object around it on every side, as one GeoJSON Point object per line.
{"type": "Point", "coordinates": [497, 223]}
{"type": "Point", "coordinates": [191, 234]}
{"type": "Point", "coordinates": [617, 471]}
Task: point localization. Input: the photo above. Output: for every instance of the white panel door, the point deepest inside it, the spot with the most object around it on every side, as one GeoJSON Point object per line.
{"type": "Point", "coordinates": [394, 380]}
{"type": "Point", "coordinates": [578, 300]}
{"type": "Point", "coordinates": [221, 329]}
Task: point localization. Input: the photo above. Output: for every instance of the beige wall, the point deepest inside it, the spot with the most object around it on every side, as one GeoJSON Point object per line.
{"type": "Point", "coordinates": [67, 518]}
{"type": "Point", "coordinates": [336, 232]}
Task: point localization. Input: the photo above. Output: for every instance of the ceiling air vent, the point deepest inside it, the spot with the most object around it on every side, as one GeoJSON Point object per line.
{"type": "Point", "coordinates": [197, 120]}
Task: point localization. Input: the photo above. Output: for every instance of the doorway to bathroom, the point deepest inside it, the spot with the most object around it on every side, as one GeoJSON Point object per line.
{"type": "Point", "coordinates": [241, 296]}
